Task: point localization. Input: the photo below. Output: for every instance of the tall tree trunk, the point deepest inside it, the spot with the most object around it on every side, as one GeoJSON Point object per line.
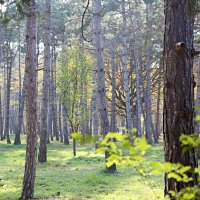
{"type": "Point", "coordinates": [21, 99]}
{"type": "Point", "coordinates": [60, 119]}
{"type": "Point", "coordinates": [98, 41]}
{"type": "Point", "coordinates": [54, 96]}
{"type": "Point", "coordinates": [113, 126]}
{"type": "Point", "coordinates": [31, 114]}
{"type": "Point", "coordinates": [157, 131]}
{"type": "Point", "coordinates": [178, 86]}
{"type": "Point", "coordinates": [197, 100]}
{"type": "Point", "coordinates": [149, 122]}
{"type": "Point", "coordinates": [7, 100]}
{"type": "Point", "coordinates": [125, 68]}
{"type": "Point", "coordinates": [95, 121]}
{"type": "Point", "coordinates": [42, 156]}
{"type": "Point", "coordinates": [65, 128]}
{"type": "Point", "coordinates": [138, 95]}
{"type": "Point", "coordinates": [1, 119]}
{"type": "Point", "coordinates": [21, 110]}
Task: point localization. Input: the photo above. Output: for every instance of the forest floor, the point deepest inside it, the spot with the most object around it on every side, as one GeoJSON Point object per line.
{"type": "Point", "coordinates": [76, 178]}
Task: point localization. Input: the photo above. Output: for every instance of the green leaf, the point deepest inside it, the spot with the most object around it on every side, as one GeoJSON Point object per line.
{"type": "Point", "coordinates": [189, 196]}
{"type": "Point", "coordinates": [175, 176]}
{"type": "Point", "coordinates": [76, 136]}
{"type": "Point", "coordinates": [184, 169]}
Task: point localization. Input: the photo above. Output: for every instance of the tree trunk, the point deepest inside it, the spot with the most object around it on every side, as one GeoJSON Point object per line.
{"type": "Point", "coordinates": [21, 110]}
{"type": "Point", "coordinates": [42, 156]}
{"type": "Point", "coordinates": [149, 122]}
{"type": "Point", "coordinates": [30, 65]}
{"type": "Point", "coordinates": [65, 128]}
{"type": "Point", "coordinates": [95, 121]}
{"type": "Point", "coordinates": [138, 95]}
{"type": "Point", "coordinates": [157, 131]}
{"type": "Point", "coordinates": [98, 42]}
{"type": "Point", "coordinates": [9, 62]}
{"type": "Point", "coordinates": [178, 86]}
{"type": "Point", "coordinates": [1, 119]}
{"type": "Point", "coordinates": [129, 121]}
{"type": "Point", "coordinates": [113, 126]}
{"type": "Point", "coordinates": [60, 120]}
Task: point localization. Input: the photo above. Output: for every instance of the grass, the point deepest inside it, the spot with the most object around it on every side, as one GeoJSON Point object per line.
{"type": "Point", "coordinates": [76, 178]}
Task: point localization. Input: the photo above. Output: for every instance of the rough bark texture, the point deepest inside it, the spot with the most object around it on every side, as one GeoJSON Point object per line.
{"type": "Point", "coordinates": [129, 124]}
{"type": "Point", "coordinates": [30, 65]}
{"type": "Point", "coordinates": [98, 42]}
{"type": "Point", "coordinates": [178, 86]}
{"type": "Point", "coordinates": [197, 101]}
{"type": "Point", "coordinates": [42, 156]}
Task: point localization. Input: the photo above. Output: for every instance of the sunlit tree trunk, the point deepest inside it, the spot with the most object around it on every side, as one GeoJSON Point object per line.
{"type": "Point", "coordinates": [113, 125]}
{"type": "Point", "coordinates": [65, 127]}
{"type": "Point", "coordinates": [8, 85]}
{"type": "Point", "coordinates": [98, 42]}
{"type": "Point", "coordinates": [178, 86]}
{"type": "Point", "coordinates": [31, 114]}
{"type": "Point", "coordinates": [129, 122]}
{"type": "Point", "coordinates": [149, 123]}
{"type": "Point", "coordinates": [42, 156]}
{"type": "Point", "coordinates": [138, 93]}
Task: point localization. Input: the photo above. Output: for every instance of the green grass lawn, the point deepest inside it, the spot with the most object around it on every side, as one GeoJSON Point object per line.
{"type": "Point", "coordinates": [76, 178]}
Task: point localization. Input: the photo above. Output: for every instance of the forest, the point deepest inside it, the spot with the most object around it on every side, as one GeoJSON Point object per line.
{"type": "Point", "coordinates": [99, 99]}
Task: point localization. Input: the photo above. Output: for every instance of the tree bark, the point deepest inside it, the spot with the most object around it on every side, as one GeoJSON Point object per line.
{"type": "Point", "coordinates": [31, 114]}
{"type": "Point", "coordinates": [113, 125]}
{"type": "Point", "coordinates": [1, 119]}
{"type": "Point", "coordinates": [42, 156]}
{"type": "Point", "coordinates": [98, 42]}
{"type": "Point", "coordinates": [65, 128]}
{"type": "Point", "coordinates": [129, 122]}
{"type": "Point", "coordinates": [178, 86]}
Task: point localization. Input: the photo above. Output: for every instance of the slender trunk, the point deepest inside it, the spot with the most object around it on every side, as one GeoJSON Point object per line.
{"type": "Point", "coordinates": [54, 96]}
{"type": "Point", "coordinates": [42, 156]}
{"type": "Point", "coordinates": [149, 122]}
{"type": "Point", "coordinates": [95, 120]}
{"type": "Point", "coordinates": [65, 128]}
{"type": "Point", "coordinates": [30, 67]}
{"type": "Point", "coordinates": [125, 69]}
{"type": "Point", "coordinates": [60, 119]}
{"type": "Point", "coordinates": [98, 42]}
{"type": "Point", "coordinates": [157, 131]}
{"type": "Point", "coordinates": [1, 119]}
{"type": "Point", "coordinates": [138, 94]}
{"type": "Point", "coordinates": [113, 127]}
{"type": "Point", "coordinates": [21, 110]}
{"type": "Point", "coordinates": [7, 101]}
